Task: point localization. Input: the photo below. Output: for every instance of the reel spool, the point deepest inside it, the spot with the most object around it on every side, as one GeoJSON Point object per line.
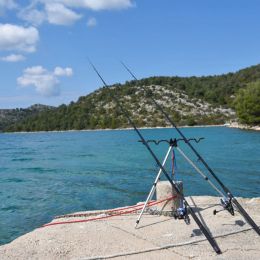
{"type": "Point", "coordinates": [226, 203]}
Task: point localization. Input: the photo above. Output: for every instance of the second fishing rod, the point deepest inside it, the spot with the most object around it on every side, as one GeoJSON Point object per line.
{"type": "Point", "coordinates": [230, 197]}
{"type": "Point", "coordinates": [206, 233]}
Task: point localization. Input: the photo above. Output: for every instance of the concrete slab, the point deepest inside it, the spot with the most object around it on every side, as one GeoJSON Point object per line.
{"type": "Point", "coordinates": [158, 237]}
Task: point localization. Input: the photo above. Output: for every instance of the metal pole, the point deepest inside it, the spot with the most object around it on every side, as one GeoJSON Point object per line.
{"type": "Point", "coordinates": [151, 193]}
{"type": "Point", "coordinates": [199, 171]}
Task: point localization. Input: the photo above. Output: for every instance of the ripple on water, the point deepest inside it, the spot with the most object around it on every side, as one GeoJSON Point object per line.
{"type": "Point", "coordinates": [21, 159]}
{"type": "Point", "coordinates": [39, 170]}
{"type": "Point", "coordinates": [14, 180]}
{"type": "Point", "coordinates": [86, 155]}
{"type": "Point", "coordinates": [12, 208]}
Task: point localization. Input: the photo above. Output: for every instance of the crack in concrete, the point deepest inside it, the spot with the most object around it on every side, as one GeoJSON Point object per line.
{"type": "Point", "coordinates": [241, 249]}
{"type": "Point", "coordinates": [149, 241]}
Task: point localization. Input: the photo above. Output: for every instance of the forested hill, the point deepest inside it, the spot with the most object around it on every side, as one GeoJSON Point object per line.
{"type": "Point", "coordinates": [190, 100]}
{"type": "Point", "coordinates": [9, 117]}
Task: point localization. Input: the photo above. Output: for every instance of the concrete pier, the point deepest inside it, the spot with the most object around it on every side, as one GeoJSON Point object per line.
{"type": "Point", "coordinates": [164, 190]}
{"type": "Point", "coordinates": [158, 237]}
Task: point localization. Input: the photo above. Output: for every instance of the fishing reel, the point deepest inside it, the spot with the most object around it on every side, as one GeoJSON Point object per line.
{"type": "Point", "coordinates": [226, 203]}
{"type": "Point", "coordinates": [182, 213]}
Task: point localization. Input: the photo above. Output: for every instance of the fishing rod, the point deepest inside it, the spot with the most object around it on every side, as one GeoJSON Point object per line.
{"type": "Point", "coordinates": [226, 202]}
{"type": "Point", "coordinates": [206, 233]}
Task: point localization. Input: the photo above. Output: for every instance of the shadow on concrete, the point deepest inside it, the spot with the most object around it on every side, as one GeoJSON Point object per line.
{"type": "Point", "coordinates": [239, 223]}
{"type": "Point", "coordinates": [198, 232]}
{"type": "Point", "coordinates": [197, 209]}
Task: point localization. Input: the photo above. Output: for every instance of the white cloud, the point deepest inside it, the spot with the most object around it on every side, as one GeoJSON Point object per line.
{"type": "Point", "coordinates": [58, 71]}
{"type": "Point", "coordinates": [9, 4]}
{"type": "Point", "coordinates": [97, 5]}
{"type": "Point", "coordinates": [14, 37]}
{"type": "Point", "coordinates": [6, 4]}
{"type": "Point", "coordinates": [92, 22]}
{"type": "Point", "coordinates": [53, 12]}
{"type": "Point", "coordinates": [36, 70]}
{"type": "Point", "coordinates": [45, 82]}
{"type": "Point", "coordinates": [32, 15]}
{"type": "Point", "coordinates": [59, 14]}
{"type": "Point", "coordinates": [13, 58]}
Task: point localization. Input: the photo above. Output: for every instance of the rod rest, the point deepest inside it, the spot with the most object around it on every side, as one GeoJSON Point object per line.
{"type": "Point", "coordinates": [173, 142]}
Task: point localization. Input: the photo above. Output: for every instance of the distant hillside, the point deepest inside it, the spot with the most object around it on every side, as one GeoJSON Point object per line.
{"type": "Point", "coordinates": [11, 116]}
{"type": "Point", "coordinates": [190, 100]}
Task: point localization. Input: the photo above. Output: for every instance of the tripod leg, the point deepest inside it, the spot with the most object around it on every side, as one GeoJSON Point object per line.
{"type": "Point", "coordinates": [151, 193]}
{"type": "Point", "coordinates": [200, 172]}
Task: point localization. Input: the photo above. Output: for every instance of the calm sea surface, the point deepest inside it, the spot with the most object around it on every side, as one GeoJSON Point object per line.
{"type": "Point", "coordinates": [47, 174]}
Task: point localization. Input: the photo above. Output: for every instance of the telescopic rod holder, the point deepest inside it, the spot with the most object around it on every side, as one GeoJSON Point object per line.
{"type": "Point", "coordinates": [225, 202]}
{"type": "Point", "coordinates": [173, 142]}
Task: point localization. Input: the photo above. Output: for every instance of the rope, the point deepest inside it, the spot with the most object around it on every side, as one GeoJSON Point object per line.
{"type": "Point", "coordinates": [137, 207]}
{"type": "Point", "coordinates": [104, 212]}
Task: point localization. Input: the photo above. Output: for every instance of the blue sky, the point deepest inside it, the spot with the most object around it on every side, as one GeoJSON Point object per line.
{"type": "Point", "coordinates": [44, 44]}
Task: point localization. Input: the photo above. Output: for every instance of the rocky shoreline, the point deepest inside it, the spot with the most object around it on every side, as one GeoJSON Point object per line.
{"type": "Point", "coordinates": [109, 129]}
{"type": "Point", "coordinates": [231, 125]}
{"type": "Point", "coordinates": [243, 126]}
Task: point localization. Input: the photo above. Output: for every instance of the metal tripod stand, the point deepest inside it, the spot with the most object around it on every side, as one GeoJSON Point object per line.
{"type": "Point", "coordinates": [172, 143]}
{"type": "Point", "coordinates": [151, 193]}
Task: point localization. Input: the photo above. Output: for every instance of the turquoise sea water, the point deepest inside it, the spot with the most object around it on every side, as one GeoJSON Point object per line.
{"type": "Point", "coordinates": [47, 174]}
